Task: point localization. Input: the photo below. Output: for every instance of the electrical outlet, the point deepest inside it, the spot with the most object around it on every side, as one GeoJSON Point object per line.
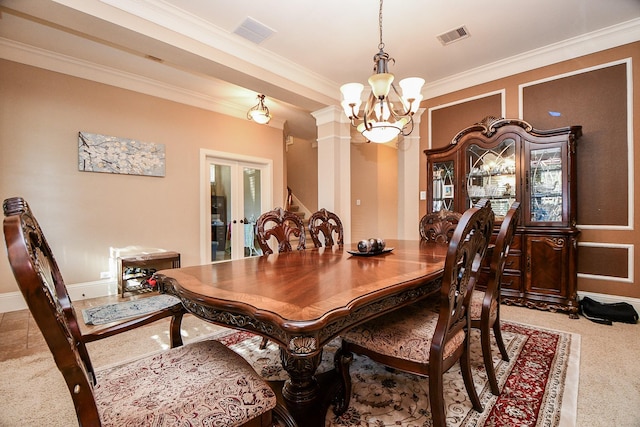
{"type": "Point", "coordinates": [423, 195]}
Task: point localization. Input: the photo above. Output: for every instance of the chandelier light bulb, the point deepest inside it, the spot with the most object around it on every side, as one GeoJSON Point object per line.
{"type": "Point", "coordinates": [351, 98]}
{"type": "Point", "coordinates": [382, 113]}
{"type": "Point", "coordinates": [260, 117]}
{"type": "Point", "coordinates": [381, 132]}
{"type": "Point", "coordinates": [381, 84]}
{"type": "Point", "coordinates": [411, 92]}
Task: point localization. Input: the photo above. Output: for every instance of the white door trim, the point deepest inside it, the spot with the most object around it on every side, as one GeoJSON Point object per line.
{"type": "Point", "coordinates": [206, 156]}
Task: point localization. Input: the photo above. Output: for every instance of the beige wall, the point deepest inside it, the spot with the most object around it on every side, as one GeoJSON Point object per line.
{"type": "Point", "coordinates": [83, 214]}
{"type": "Point", "coordinates": [302, 172]}
{"type": "Point", "coordinates": [374, 181]}
{"type": "Point", "coordinates": [510, 86]}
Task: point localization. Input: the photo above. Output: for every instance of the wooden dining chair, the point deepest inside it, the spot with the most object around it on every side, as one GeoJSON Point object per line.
{"type": "Point", "coordinates": [327, 224]}
{"type": "Point", "coordinates": [284, 226]}
{"type": "Point", "coordinates": [175, 311]}
{"type": "Point", "coordinates": [439, 226]}
{"type": "Point", "coordinates": [428, 337]}
{"type": "Point", "coordinates": [202, 383]}
{"type": "Point", "coordinates": [484, 308]}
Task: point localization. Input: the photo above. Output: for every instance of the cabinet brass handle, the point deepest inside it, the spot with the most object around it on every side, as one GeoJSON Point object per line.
{"type": "Point", "coordinates": [528, 263]}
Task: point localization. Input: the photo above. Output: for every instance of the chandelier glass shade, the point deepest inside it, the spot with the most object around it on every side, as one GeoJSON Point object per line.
{"type": "Point", "coordinates": [259, 113]}
{"type": "Point", "coordinates": [382, 120]}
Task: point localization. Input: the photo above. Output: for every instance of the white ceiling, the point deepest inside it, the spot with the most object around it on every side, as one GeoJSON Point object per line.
{"type": "Point", "coordinates": [316, 45]}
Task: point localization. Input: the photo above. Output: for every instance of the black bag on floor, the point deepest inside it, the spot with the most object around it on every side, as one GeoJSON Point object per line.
{"type": "Point", "coordinates": [607, 313]}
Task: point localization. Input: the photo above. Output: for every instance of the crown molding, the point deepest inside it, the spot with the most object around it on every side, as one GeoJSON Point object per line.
{"type": "Point", "coordinates": [607, 38]}
{"type": "Point", "coordinates": [41, 58]}
{"type": "Point", "coordinates": [165, 22]}
{"type": "Point", "coordinates": [596, 41]}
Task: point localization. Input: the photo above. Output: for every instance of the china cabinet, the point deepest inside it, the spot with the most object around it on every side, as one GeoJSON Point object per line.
{"type": "Point", "coordinates": [507, 160]}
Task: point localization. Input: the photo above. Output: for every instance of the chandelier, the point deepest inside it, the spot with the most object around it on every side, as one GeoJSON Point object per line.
{"type": "Point", "coordinates": [259, 113]}
{"type": "Point", "coordinates": [381, 120]}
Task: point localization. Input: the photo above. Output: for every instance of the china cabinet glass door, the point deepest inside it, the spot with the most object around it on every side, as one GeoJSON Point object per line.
{"type": "Point", "coordinates": [492, 175]}
{"type": "Point", "coordinates": [443, 186]}
{"type": "Point", "coordinates": [545, 184]}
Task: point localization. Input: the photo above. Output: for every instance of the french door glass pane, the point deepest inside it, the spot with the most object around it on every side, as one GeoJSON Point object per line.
{"type": "Point", "coordinates": [221, 202]}
{"type": "Point", "coordinates": [252, 186]}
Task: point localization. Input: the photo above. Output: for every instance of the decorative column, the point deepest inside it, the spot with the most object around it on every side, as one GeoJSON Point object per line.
{"type": "Point", "coordinates": [334, 164]}
{"type": "Point", "coordinates": [409, 158]}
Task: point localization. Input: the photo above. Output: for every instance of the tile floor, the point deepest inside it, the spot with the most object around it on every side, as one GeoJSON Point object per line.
{"type": "Point", "coordinates": [20, 336]}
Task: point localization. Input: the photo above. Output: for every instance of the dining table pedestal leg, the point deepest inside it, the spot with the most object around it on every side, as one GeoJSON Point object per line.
{"type": "Point", "coordinates": [302, 386]}
{"type": "Point", "coordinates": [305, 396]}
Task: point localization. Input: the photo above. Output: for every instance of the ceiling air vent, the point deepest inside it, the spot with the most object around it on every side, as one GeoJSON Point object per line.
{"type": "Point", "coordinates": [453, 35]}
{"type": "Point", "coordinates": [253, 31]}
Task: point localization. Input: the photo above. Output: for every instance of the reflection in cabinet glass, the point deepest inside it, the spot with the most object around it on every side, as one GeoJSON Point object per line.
{"type": "Point", "coordinates": [546, 185]}
{"type": "Point", "coordinates": [492, 175]}
{"type": "Point", "coordinates": [443, 184]}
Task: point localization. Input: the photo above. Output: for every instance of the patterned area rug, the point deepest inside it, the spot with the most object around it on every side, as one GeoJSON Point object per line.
{"type": "Point", "coordinates": [539, 384]}
{"type": "Point", "coordinates": [126, 310]}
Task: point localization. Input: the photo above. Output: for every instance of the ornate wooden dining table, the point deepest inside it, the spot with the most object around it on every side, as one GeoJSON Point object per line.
{"type": "Point", "coordinates": [301, 300]}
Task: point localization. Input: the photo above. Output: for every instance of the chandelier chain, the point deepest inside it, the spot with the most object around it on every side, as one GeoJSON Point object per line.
{"type": "Point", "coordinates": [381, 44]}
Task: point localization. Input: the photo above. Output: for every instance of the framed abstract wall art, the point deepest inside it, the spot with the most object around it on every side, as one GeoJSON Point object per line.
{"type": "Point", "coordinates": [110, 154]}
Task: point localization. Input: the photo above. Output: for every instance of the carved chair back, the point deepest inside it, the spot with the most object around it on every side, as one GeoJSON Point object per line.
{"type": "Point", "coordinates": [439, 226]}
{"type": "Point", "coordinates": [328, 224]}
{"type": "Point", "coordinates": [501, 250]}
{"type": "Point", "coordinates": [485, 305]}
{"type": "Point", "coordinates": [284, 226]}
{"type": "Point", "coordinates": [467, 247]}
{"type": "Point", "coordinates": [41, 283]}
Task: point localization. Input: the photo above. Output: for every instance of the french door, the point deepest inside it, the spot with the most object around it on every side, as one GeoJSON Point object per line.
{"type": "Point", "coordinates": [236, 190]}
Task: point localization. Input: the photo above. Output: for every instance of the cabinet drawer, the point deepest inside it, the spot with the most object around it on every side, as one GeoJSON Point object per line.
{"type": "Point", "coordinates": [511, 281]}
{"type": "Point", "coordinates": [513, 261]}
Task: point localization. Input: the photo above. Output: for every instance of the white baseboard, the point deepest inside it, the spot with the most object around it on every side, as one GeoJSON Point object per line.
{"type": "Point", "coordinates": [604, 298]}
{"type": "Point", "coordinates": [13, 301]}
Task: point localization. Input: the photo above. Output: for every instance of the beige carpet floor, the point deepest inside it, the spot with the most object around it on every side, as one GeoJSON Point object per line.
{"type": "Point", "coordinates": [608, 396]}
{"type": "Point", "coordinates": [609, 387]}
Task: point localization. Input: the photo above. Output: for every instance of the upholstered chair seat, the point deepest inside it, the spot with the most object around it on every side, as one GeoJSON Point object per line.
{"type": "Point", "coordinates": [200, 384]}
{"type": "Point", "coordinates": [405, 334]}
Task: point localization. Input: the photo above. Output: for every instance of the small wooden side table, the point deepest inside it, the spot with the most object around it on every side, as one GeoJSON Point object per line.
{"type": "Point", "coordinates": [134, 269]}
